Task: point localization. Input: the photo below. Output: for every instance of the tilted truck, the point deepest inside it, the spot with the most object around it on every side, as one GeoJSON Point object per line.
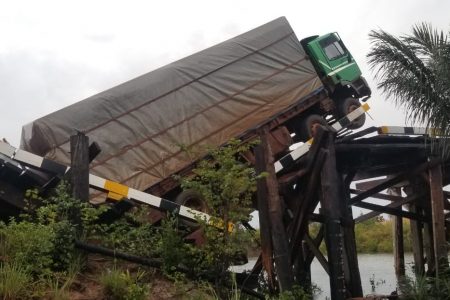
{"type": "Point", "coordinates": [264, 77]}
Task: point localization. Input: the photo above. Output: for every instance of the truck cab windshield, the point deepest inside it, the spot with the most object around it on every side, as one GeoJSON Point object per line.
{"type": "Point", "coordinates": [332, 47]}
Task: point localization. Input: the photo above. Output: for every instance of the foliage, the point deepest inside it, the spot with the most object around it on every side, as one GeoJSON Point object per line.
{"type": "Point", "coordinates": [120, 285]}
{"type": "Point", "coordinates": [30, 246]}
{"type": "Point", "coordinates": [61, 207]}
{"type": "Point", "coordinates": [227, 186]}
{"type": "Point", "coordinates": [41, 241]}
{"type": "Point", "coordinates": [64, 218]}
{"type": "Point", "coordinates": [13, 278]}
{"type": "Point", "coordinates": [425, 288]}
{"type": "Point", "coordinates": [131, 234]}
{"type": "Point", "coordinates": [415, 71]}
{"type": "Point", "coordinates": [297, 293]}
{"type": "Point", "coordinates": [171, 246]}
{"type": "Point", "coordinates": [373, 236]}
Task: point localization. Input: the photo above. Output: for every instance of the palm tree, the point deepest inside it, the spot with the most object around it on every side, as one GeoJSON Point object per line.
{"type": "Point", "coordinates": [414, 70]}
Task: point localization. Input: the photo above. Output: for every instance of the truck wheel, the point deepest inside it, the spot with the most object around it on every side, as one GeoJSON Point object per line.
{"type": "Point", "coordinates": [308, 126]}
{"type": "Point", "coordinates": [347, 106]}
{"type": "Point", "coordinates": [192, 199]}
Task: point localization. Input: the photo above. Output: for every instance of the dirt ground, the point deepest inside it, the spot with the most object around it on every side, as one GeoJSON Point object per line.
{"type": "Point", "coordinates": [87, 286]}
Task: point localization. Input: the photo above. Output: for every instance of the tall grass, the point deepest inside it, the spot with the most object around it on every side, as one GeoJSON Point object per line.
{"type": "Point", "coordinates": [425, 288]}
{"type": "Point", "coordinates": [14, 281]}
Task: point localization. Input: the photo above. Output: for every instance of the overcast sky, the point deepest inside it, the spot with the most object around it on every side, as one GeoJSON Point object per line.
{"type": "Point", "coordinates": [55, 53]}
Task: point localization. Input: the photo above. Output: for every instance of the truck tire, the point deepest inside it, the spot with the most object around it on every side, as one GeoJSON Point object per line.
{"type": "Point", "coordinates": [192, 199]}
{"type": "Point", "coordinates": [347, 106]}
{"type": "Point", "coordinates": [308, 126]}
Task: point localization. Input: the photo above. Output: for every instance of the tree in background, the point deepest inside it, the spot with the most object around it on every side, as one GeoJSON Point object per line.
{"type": "Point", "coordinates": [415, 71]}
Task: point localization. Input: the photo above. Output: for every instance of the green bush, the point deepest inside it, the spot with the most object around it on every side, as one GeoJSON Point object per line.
{"type": "Point", "coordinates": [136, 237]}
{"type": "Point", "coordinates": [41, 242]}
{"type": "Point", "coordinates": [297, 293]}
{"type": "Point", "coordinates": [171, 246]}
{"type": "Point", "coordinates": [28, 245]}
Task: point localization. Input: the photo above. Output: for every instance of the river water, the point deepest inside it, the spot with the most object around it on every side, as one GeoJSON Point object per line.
{"type": "Point", "coordinates": [377, 274]}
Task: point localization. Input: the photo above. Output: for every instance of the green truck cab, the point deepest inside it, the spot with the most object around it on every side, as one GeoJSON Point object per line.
{"type": "Point", "coordinates": [339, 73]}
{"type": "Point", "coordinates": [336, 66]}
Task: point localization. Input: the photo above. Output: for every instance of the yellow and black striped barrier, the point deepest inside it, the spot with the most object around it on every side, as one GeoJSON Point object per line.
{"type": "Point", "coordinates": [114, 190]}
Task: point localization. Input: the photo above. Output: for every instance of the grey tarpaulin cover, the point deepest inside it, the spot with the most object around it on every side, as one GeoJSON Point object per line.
{"type": "Point", "coordinates": [201, 100]}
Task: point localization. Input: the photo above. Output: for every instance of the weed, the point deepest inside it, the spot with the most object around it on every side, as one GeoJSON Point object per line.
{"type": "Point", "coordinates": [59, 289]}
{"type": "Point", "coordinates": [119, 285]}
{"type": "Point", "coordinates": [422, 288]}
{"type": "Point", "coordinates": [13, 279]}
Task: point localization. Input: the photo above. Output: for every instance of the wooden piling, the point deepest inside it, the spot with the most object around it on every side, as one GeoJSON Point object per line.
{"type": "Point", "coordinates": [79, 174]}
{"type": "Point", "coordinates": [417, 242]}
{"type": "Point", "coordinates": [353, 276]}
{"type": "Point", "coordinates": [302, 271]}
{"type": "Point", "coordinates": [331, 208]}
{"type": "Point", "coordinates": [264, 224]}
{"type": "Point", "coordinates": [428, 246]}
{"type": "Point", "coordinates": [79, 166]}
{"type": "Point", "coordinates": [398, 244]}
{"type": "Point", "coordinates": [280, 244]}
{"type": "Point", "coordinates": [438, 219]}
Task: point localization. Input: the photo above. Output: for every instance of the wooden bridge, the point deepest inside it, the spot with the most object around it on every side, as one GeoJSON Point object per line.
{"type": "Point", "coordinates": [336, 174]}
{"type": "Point", "coordinates": [331, 171]}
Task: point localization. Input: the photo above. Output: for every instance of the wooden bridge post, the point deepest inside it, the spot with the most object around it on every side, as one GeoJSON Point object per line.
{"type": "Point", "coordinates": [353, 276]}
{"type": "Point", "coordinates": [438, 218]}
{"type": "Point", "coordinates": [79, 172]}
{"type": "Point", "coordinates": [331, 207]}
{"type": "Point", "coordinates": [417, 241]}
{"type": "Point", "coordinates": [279, 238]}
{"type": "Point", "coordinates": [398, 242]}
{"type": "Point", "coordinates": [79, 166]}
{"type": "Point", "coordinates": [264, 224]}
{"type": "Point", "coordinates": [428, 245]}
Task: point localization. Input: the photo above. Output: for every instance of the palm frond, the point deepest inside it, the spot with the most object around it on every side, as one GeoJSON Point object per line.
{"type": "Point", "coordinates": [427, 39]}
{"type": "Point", "coordinates": [414, 71]}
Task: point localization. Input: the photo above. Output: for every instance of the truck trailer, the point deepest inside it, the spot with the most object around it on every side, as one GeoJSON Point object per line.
{"type": "Point", "coordinates": [264, 77]}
